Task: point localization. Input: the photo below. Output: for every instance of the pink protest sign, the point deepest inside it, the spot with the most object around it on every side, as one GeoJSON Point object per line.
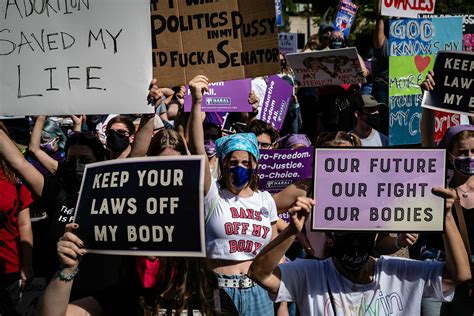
{"type": "Point", "coordinates": [378, 190]}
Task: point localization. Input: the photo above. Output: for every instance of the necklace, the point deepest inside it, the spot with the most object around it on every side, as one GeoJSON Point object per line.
{"type": "Point", "coordinates": [465, 194]}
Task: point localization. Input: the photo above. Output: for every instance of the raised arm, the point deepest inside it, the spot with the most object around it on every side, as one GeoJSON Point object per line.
{"type": "Point", "coordinates": [379, 34]}
{"type": "Point", "coordinates": [456, 268]}
{"type": "Point", "coordinates": [198, 85]}
{"type": "Point", "coordinates": [427, 115]}
{"type": "Point", "coordinates": [264, 268]}
{"type": "Point", "coordinates": [23, 169]}
{"type": "Point", "coordinates": [34, 147]}
{"type": "Point", "coordinates": [147, 123]}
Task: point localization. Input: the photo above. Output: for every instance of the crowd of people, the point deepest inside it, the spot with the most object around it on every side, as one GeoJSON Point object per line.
{"type": "Point", "coordinates": [283, 268]}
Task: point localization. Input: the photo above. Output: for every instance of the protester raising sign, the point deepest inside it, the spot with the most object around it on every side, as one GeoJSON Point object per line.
{"type": "Point", "coordinates": [327, 68]}
{"type": "Point", "coordinates": [74, 57]}
{"type": "Point", "coordinates": [407, 8]}
{"type": "Point", "coordinates": [224, 40]}
{"type": "Point", "coordinates": [378, 189]}
{"type": "Point", "coordinates": [454, 76]}
{"type": "Point", "coordinates": [345, 17]}
{"type": "Point", "coordinates": [288, 42]}
{"type": "Point", "coordinates": [143, 206]}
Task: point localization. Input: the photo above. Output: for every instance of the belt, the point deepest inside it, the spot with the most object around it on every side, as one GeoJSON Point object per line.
{"type": "Point", "coordinates": [244, 282]}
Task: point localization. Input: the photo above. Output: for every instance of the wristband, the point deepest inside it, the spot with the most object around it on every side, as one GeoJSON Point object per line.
{"type": "Point", "coordinates": [67, 278]}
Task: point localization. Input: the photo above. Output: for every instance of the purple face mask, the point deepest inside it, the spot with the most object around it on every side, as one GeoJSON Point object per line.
{"type": "Point", "coordinates": [464, 165]}
{"type": "Point", "coordinates": [51, 146]}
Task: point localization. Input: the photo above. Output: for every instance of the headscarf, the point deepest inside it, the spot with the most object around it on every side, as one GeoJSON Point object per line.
{"type": "Point", "coordinates": [453, 131]}
{"type": "Point", "coordinates": [242, 141]}
{"type": "Point", "coordinates": [292, 139]}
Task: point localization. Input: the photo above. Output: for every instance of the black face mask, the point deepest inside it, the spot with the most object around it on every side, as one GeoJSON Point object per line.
{"type": "Point", "coordinates": [336, 43]}
{"type": "Point", "coordinates": [116, 142]}
{"type": "Point", "coordinates": [353, 250]}
{"type": "Point", "coordinates": [73, 172]}
{"type": "Point", "coordinates": [373, 120]}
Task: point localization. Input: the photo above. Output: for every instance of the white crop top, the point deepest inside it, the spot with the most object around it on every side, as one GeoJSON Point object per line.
{"type": "Point", "coordinates": [237, 228]}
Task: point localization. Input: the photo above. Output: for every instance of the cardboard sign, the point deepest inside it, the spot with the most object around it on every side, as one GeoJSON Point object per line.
{"type": "Point", "coordinates": [288, 42]}
{"type": "Point", "coordinates": [74, 57]}
{"type": "Point", "coordinates": [276, 101]}
{"type": "Point", "coordinates": [345, 17]}
{"type": "Point", "coordinates": [143, 206]}
{"type": "Point", "coordinates": [454, 77]}
{"type": "Point", "coordinates": [413, 44]}
{"type": "Point", "coordinates": [326, 68]}
{"type": "Point", "coordinates": [278, 168]}
{"type": "Point", "coordinates": [224, 96]}
{"type": "Point", "coordinates": [378, 190]}
{"type": "Point", "coordinates": [223, 40]}
{"type": "Point", "coordinates": [407, 8]}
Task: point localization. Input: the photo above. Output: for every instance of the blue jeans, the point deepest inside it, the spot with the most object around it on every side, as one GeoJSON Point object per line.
{"type": "Point", "coordinates": [251, 301]}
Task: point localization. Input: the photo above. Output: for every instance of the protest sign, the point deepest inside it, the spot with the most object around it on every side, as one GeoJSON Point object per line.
{"type": "Point", "coordinates": [378, 189]}
{"type": "Point", "coordinates": [405, 119]}
{"type": "Point", "coordinates": [468, 33]}
{"type": "Point", "coordinates": [223, 40]}
{"type": "Point", "coordinates": [413, 44]}
{"type": "Point", "coordinates": [278, 168]}
{"type": "Point", "coordinates": [276, 101]}
{"type": "Point", "coordinates": [453, 92]}
{"type": "Point", "coordinates": [345, 17]}
{"type": "Point", "coordinates": [143, 206]}
{"type": "Point", "coordinates": [406, 8]}
{"type": "Point", "coordinates": [326, 68]}
{"type": "Point", "coordinates": [74, 57]}
{"type": "Point", "coordinates": [224, 96]}
{"type": "Point", "coordinates": [279, 13]}
{"type": "Point", "coordinates": [288, 43]}
{"type": "Point", "coordinates": [443, 121]}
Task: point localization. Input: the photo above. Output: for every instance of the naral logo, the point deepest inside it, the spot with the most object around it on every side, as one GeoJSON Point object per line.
{"type": "Point", "coordinates": [219, 101]}
{"type": "Point", "coordinates": [278, 184]}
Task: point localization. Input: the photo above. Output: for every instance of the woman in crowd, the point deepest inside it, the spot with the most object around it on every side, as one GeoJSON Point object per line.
{"type": "Point", "coordinates": [16, 236]}
{"type": "Point", "coordinates": [148, 285]}
{"type": "Point", "coordinates": [120, 132]}
{"type": "Point", "coordinates": [240, 220]}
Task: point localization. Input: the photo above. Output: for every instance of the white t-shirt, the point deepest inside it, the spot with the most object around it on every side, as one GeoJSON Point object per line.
{"type": "Point", "coordinates": [397, 288]}
{"type": "Point", "coordinates": [375, 139]}
{"type": "Point", "coordinates": [237, 228]}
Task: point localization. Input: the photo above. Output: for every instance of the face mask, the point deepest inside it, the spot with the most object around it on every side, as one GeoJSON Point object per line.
{"type": "Point", "coordinates": [73, 174]}
{"type": "Point", "coordinates": [116, 142]}
{"type": "Point", "coordinates": [210, 147]}
{"type": "Point", "coordinates": [336, 43]}
{"type": "Point", "coordinates": [241, 176]}
{"type": "Point", "coordinates": [464, 165]}
{"type": "Point", "coordinates": [373, 120]}
{"type": "Point", "coordinates": [147, 271]}
{"type": "Point", "coordinates": [50, 147]}
{"type": "Point", "coordinates": [352, 251]}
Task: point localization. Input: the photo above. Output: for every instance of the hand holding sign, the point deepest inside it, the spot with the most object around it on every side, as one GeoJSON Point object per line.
{"type": "Point", "coordinates": [300, 211]}
{"type": "Point", "coordinates": [70, 249]}
{"type": "Point", "coordinates": [198, 85]}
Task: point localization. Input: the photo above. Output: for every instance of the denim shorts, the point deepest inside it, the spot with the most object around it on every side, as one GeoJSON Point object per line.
{"type": "Point", "coordinates": [250, 301]}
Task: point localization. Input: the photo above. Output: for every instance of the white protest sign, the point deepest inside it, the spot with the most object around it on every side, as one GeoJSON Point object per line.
{"type": "Point", "coordinates": [407, 8]}
{"type": "Point", "coordinates": [288, 42]}
{"type": "Point", "coordinates": [74, 57]}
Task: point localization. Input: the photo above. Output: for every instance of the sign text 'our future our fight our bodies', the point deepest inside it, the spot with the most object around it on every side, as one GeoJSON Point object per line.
{"type": "Point", "coordinates": [225, 40]}
{"type": "Point", "coordinates": [374, 189]}
{"type": "Point", "coordinates": [146, 207]}
{"type": "Point", "coordinates": [68, 56]}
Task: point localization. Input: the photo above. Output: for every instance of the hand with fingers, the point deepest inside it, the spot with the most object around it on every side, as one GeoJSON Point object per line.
{"type": "Point", "coordinates": [70, 250]}
{"type": "Point", "coordinates": [198, 85]}
{"type": "Point", "coordinates": [300, 211]}
{"type": "Point", "coordinates": [406, 240]}
{"type": "Point", "coordinates": [429, 83]}
{"type": "Point", "coordinates": [155, 94]}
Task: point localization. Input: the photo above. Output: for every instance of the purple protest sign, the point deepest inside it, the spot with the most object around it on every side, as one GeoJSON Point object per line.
{"type": "Point", "coordinates": [224, 96]}
{"type": "Point", "coordinates": [279, 168]}
{"type": "Point", "coordinates": [378, 189]}
{"type": "Point", "coordinates": [276, 101]}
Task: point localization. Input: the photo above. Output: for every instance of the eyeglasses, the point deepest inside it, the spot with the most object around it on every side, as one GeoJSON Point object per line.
{"type": "Point", "coordinates": [264, 145]}
{"type": "Point", "coordinates": [121, 132]}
